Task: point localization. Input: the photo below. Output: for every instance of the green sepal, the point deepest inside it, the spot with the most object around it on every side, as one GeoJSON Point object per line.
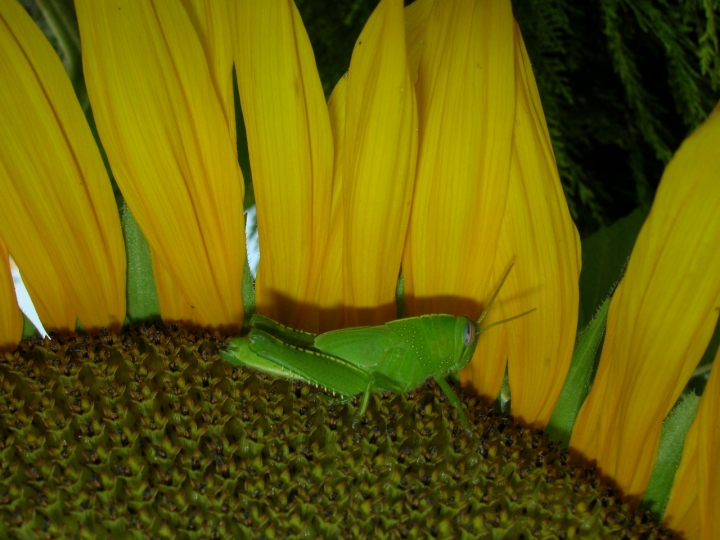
{"type": "Point", "coordinates": [61, 28]}
{"type": "Point", "coordinates": [579, 377]}
{"type": "Point", "coordinates": [400, 297]}
{"type": "Point", "coordinates": [700, 376]}
{"type": "Point", "coordinates": [142, 299]}
{"type": "Point", "coordinates": [243, 153]}
{"type": "Point", "coordinates": [29, 330]}
{"type": "Point", "coordinates": [672, 439]}
{"type": "Point", "coordinates": [604, 255]}
{"type": "Point", "coordinates": [248, 296]}
{"type": "Point", "coordinates": [504, 397]}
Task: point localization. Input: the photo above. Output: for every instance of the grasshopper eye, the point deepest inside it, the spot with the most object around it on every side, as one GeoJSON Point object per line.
{"type": "Point", "coordinates": [469, 334]}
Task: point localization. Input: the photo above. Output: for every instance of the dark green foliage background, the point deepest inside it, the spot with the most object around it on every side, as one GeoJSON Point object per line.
{"type": "Point", "coordinates": [622, 82]}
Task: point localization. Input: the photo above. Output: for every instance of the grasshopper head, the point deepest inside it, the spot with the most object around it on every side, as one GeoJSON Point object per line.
{"type": "Point", "coordinates": [467, 331]}
{"type": "Point", "coordinates": [465, 340]}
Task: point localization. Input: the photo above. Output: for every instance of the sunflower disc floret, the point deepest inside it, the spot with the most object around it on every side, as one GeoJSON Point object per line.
{"type": "Point", "coordinates": [149, 433]}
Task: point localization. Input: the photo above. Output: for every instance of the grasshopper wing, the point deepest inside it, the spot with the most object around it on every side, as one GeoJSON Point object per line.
{"type": "Point", "coordinates": [324, 370]}
{"type": "Point", "coordinates": [364, 346]}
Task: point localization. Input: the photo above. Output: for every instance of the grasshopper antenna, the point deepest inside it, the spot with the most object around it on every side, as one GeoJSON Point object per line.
{"type": "Point", "coordinates": [489, 326]}
{"type": "Point", "coordinates": [494, 296]}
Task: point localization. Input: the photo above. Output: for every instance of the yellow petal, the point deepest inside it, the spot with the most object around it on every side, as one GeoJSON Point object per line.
{"type": "Point", "coordinates": [330, 292]}
{"type": "Point", "coordinates": [417, 16]}
{"type": "Point", "coordinates": [291, 156]}
{"type": "Point", "coordinates": [173, 306]}
{"type": "Point", "coordinates": [694, 505]}
{"type": "Point", "coordinates": [212, 25]}
{"type": "Point", "coordinates": [165, 126]}
{"type": "Point", "coordinates": [60, 222]}
{"type": "Point", "coordinates": [540, 236]}
{"type": "Point", "coordinates": [466, 102]}
{"type": "Point", "coordinates": [11, 321]}
{"type": "Point", "coordinates": [466, 107]}
{"type": "Point", "coordinates": [378, 166]}
{"type": "Point", "coordinates": [661, 317]}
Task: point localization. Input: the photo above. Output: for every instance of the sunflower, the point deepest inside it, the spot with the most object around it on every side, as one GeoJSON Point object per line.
{"type": "Point", "coordinates": [431, 156]}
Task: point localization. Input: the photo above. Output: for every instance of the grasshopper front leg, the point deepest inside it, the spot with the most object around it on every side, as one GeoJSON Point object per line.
{"type": "Point", "coordinates": [454, 399]}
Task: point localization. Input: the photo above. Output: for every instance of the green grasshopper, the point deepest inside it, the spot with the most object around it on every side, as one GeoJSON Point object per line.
{"type": "Point", "coordinates": [397, 356]}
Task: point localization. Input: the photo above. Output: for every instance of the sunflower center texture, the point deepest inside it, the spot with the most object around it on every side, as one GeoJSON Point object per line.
{"type": "Point", "coordinates": [150, 433]}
